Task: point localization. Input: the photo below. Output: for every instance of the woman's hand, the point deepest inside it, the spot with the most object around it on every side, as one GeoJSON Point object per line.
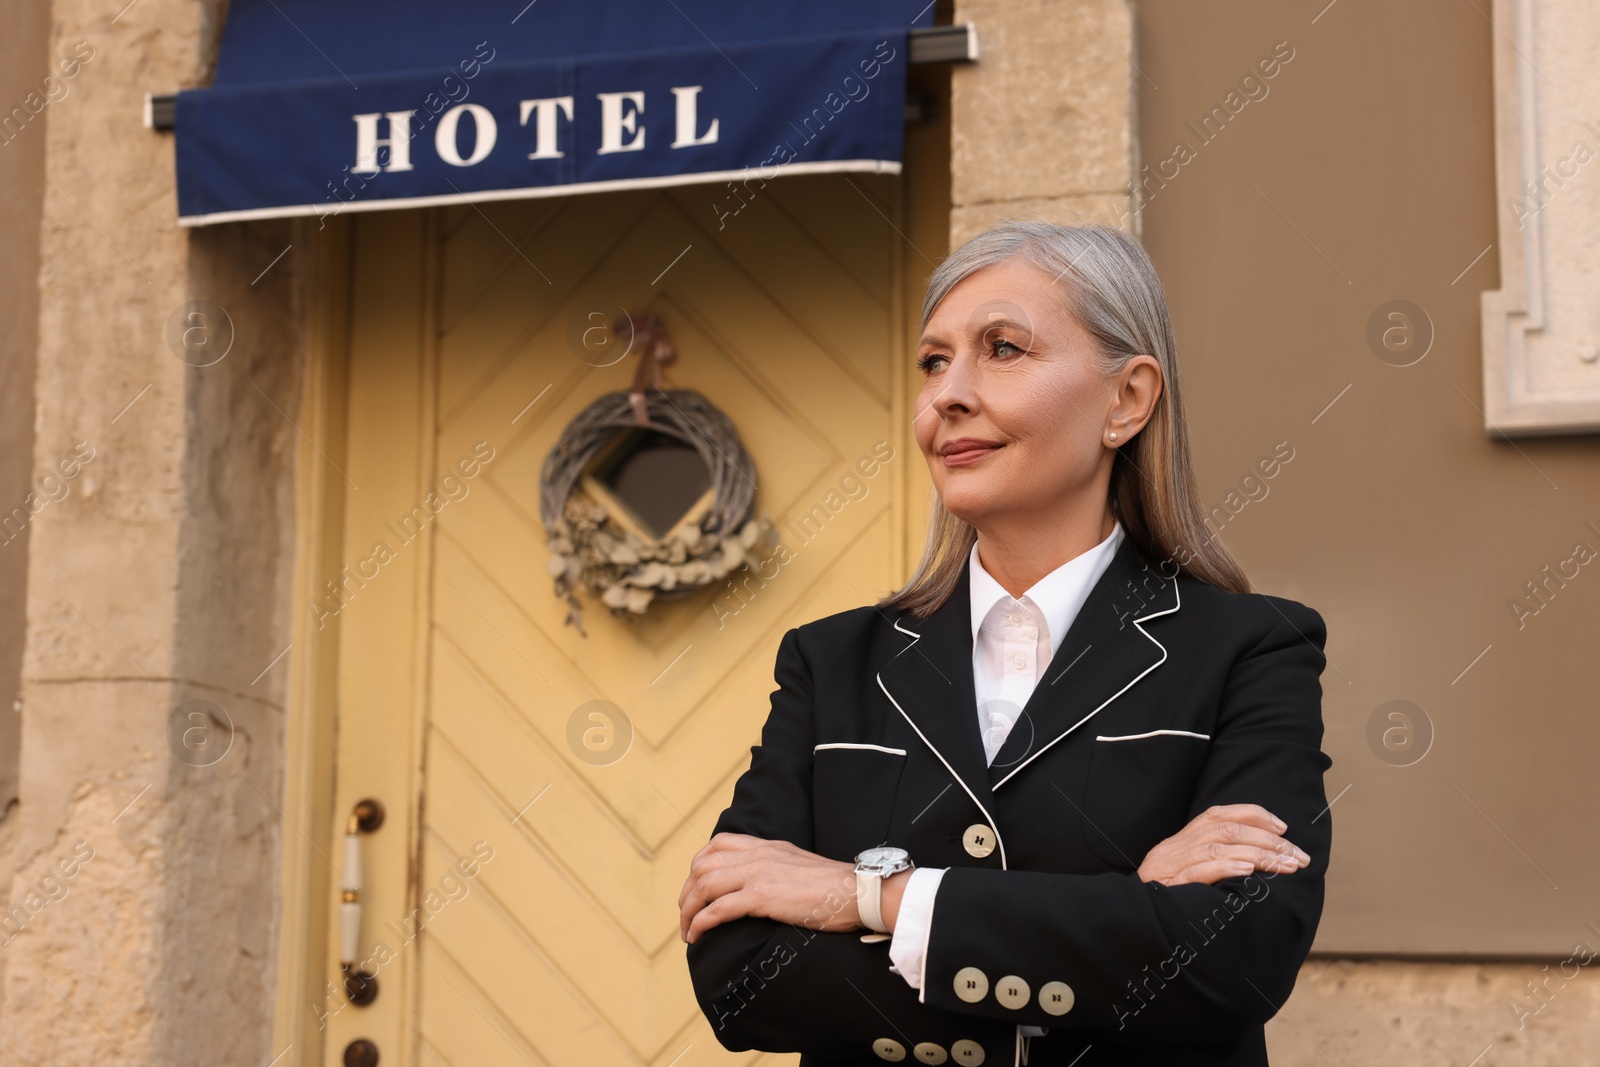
{"type": "Point", "coordinates": [1224, 841]}
{"type": "Point", "coordinates": [736, 875]}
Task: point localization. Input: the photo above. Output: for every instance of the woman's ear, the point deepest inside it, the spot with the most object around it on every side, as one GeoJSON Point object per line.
{"type": "Point", "coordinates": [1137, 391]}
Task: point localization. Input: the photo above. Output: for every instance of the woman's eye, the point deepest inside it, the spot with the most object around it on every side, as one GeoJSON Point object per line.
{"type": "Point", "coordinates": [1001, 346]}
{"type": "Point", "coordinates": [926, 363]}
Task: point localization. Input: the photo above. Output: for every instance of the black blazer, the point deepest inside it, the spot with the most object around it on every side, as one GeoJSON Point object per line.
{"type": "Point", "coordinates": [1164, 697]}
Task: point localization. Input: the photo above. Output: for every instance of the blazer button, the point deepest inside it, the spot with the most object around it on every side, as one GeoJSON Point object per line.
{"type": "Point", "coordinates": [928, 1052]}
{"type": "Point", "coordinates": [1011, 992]}
{"type": "Point", "coordinates": [972, 985]}
{"type": "Point", "coordinates": [978, 840]}
{"type": "Point", "coordinates": [889, 1049]}
{"type": "Point", "coordinates": [968, 1053]}
{"type": "Point", "coordinates": [1056, 997]}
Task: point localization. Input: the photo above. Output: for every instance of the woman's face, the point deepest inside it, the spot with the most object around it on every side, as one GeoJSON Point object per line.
{"type": "Point", "coordinates": [1006, 368]}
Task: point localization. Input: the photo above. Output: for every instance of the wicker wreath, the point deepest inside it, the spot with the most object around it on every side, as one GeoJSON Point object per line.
{"type": "Point", "coordinates": [590, 548]}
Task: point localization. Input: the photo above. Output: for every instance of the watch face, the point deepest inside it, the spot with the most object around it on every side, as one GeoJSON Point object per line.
{"type": "Point", "coordinates": [882, 856]}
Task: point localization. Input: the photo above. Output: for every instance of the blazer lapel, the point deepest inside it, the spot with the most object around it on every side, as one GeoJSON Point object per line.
{"type": "Point", "coordinates": [1105, 651]}
{"type": "Point", "coordinates": [930, 682]}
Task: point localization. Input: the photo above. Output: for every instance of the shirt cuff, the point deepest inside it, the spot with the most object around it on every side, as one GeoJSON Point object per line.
{"type": "Point", "coordinates": [912, 925]}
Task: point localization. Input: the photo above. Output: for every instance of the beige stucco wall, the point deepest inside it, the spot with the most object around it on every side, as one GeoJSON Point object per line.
{"type": "Point", "coordinates": [1045, 126]}
{"type": "Point", "coordinates": [1391, 1012]}
{"type": "Point", "coordinates": [23, 117]}
{"type": "Point", "coordinates": [146, 882]}
{"type": "Point", "coordinates": [1042, 124]}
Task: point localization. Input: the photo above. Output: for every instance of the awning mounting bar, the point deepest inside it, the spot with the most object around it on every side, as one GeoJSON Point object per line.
{"type": "Point", "coordinates": [933, 44]}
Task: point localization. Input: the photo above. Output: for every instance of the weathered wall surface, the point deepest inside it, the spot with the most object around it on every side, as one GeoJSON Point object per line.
{"type": "Point", "coordinates": [1048, 125]}
{"type": "Point", "coordinates": [1391, 1012]}
{"type": "Point", "coordinates": [1042, 124]}
{"type": "Point", "coordinates": [147, 833]}
{"type": "Point", "coordinates": [25, 99]}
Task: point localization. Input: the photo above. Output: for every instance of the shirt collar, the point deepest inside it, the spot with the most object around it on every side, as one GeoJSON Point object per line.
{"type": "Point", "coordinates": [1058, 595]}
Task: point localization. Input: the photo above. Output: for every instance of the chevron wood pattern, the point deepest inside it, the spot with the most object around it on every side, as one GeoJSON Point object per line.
{"type": "Point", "coordinates": [563, 948]}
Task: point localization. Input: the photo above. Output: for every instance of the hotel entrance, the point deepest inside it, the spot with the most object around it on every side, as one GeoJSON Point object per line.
{"type": "Point", "coordinates": [544, 788]}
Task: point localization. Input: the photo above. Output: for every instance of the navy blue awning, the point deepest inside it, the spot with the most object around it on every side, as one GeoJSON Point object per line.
{"type": "Point", "coordinates": [324, 106]}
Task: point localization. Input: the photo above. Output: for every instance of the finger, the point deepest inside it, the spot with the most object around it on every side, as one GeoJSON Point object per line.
{"type": "Point", "coordinates": [1265, 859]}
{"type": "Point", "coordinates": [1273, 860]}
{"type": "Point", "coordinates": [689, 885]}
{"type": "Point", "coordinates": [1210, 872]}
{"type": "Point", "coordinates": [1238, 833]}
{"type": "Point", "coordinates": [718, 843]}
{"type": "Point", "coordinates": [1242, 859]}
{"type": "Point", "coordinates": [705, 890]}
{"type": "Point", "coordinates": [697, 870]}
{"type": "Point", "coordinates": [692, 908]}
{"type": "Point", "coordinates": [708, 849]}
{"type": "Point", "coordinates": [719, 911]}
{"type": "Point", "coordinates": [727, 839]}
{"type": "Point", "coordinates": [697, 862]}
{"type": "Point", "coordinates": [1252, 814]}
{"type": "Point", "coordinates": [702, 890]}
{"type": "Point", "coordinates": [727, 849]}
{"type": "Point", "coordinates": [684, 892]}
{"type": "Point", "coordinates": [705, 861]}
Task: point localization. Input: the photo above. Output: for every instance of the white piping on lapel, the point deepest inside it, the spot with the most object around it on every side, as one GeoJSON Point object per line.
{"type": "Point", "coordinates": [921, 999]}
{"type": "Point", "coordinates": [1178, 604]}
{"type": "Point", "coordinates": [952, 770]}
{"type": "Point", "coordinates": [1153, 733]}
{"type": "Point", "coordinates": [922, 991]}
{"type": "Point", "coordinates": [851, 744]}
{"type": "Point", "coordinates": [1022, 1043]}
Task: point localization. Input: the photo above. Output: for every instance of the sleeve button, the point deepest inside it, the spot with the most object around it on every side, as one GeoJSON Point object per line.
{"type": "Point", "coordinates": [966, 1052]}
{"type": "Point", "coordinates": [972, 985]}
{"type": "Point", "coordinates": [1011, 992]}
{"type": "Point", "coordinates": [1056, 998]}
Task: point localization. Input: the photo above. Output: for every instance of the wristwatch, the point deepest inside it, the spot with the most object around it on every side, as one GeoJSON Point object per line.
{"type": "Point", "coordinates": [872, 867]}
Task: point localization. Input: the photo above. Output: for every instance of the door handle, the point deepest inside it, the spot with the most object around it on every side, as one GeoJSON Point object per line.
{"type": "Point", "coordinates": [361, 987]}
{"type": "Point", "coordinates": [361, 1053]}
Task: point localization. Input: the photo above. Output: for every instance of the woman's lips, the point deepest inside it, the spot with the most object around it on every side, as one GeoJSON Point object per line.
{"type": "Point", "coordinates": [969, 455]}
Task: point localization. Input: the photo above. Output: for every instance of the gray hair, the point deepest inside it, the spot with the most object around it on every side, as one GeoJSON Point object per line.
{"type": "Point", "coordinates": [1112, 291]}
{"type": "Point", "coordinates": [1110, 288]}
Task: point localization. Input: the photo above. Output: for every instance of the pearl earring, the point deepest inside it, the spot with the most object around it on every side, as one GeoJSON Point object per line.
{"type": "Point", "coordinates": [1113, 435]}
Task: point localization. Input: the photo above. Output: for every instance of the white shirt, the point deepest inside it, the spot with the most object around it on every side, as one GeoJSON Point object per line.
{"type": "Point", "coordinates": [1012, 643]}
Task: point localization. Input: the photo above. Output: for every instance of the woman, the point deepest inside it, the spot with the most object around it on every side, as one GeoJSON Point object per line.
{"type": "Point", "coordinates": [1092, 757]}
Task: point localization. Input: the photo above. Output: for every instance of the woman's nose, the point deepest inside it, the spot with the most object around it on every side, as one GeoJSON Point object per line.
{"type": "Point", "coordinates": [957, 390]}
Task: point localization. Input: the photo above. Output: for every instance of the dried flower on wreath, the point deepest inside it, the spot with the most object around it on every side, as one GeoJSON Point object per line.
{"type": "Point", "coordinates": [625, 572]}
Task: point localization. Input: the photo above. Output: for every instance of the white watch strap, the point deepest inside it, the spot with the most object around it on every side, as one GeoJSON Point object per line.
{"type": "Point", "coordinates": [869, 900]}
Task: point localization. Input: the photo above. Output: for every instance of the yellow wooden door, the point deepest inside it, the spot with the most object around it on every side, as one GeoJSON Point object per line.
{"type": "Point", "coordinates": [519, 904]}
